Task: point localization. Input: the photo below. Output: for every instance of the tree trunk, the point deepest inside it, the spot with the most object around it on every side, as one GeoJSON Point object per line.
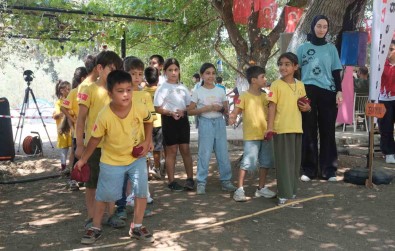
{"type": "Point", "coordinates": [343, 15]}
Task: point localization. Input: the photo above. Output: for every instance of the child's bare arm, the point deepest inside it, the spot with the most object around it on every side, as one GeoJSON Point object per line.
{"type": "Point", "coordinates": [147, 143]}
{"type": "Point", "coordinates": [193, 110]}
{"type": "Point", "coordinates": [270, 117]}
{"type": "Point", "coordinates": [79, 129]}
{"type": "Point", "coordinates": [233, 115]}
{"type": "Point", "coordinates": [90, 148]}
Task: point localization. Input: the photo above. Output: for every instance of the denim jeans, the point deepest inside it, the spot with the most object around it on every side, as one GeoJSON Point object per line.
{"type": "Point", "coordinates": [386, 125]}
{"type": "Point", "coordinates": [212, 136]}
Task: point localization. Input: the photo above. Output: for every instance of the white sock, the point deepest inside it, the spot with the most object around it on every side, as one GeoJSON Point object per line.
{"type": "Point", "coordinates": [137, 225]}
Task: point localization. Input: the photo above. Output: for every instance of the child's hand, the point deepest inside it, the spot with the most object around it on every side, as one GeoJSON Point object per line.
{"type": "Point", "coordinates": [232, 119]}
{"type": "Point", "coordinates": [269, 135]}
{"type": "Point", "coordinates": [146, 145]}
{"type": "Point", "coordinates": [304, 107]}
{"type": "Point", "coordinates": [79, 164]}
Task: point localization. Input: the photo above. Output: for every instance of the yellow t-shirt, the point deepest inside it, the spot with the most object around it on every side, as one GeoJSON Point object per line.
{"type": "Point", "coordinates": [71, 103]}
{"type": "Point", "coordinates": [288, 117]}
{"type": "Point", "coordinates": [146, 99]}
{"type": "Point", "coordinates": [254, 115]}
{"type": "Point", "coordinates": [84, 84]}
{"type": "Point", "coordinates": [94, 97]}
{"type": "Point", "coordinates": [151, 90]}
{"type": "Point", "coordinates": [121, 135]}
{"type": "Point", "coordinates": [64, 140]}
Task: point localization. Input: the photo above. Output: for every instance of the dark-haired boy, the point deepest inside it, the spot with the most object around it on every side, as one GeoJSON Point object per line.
{"type": "Point", "coordinates": [253, 103]}
{"type": "Point", "coordinates": [92, 98]}
{"type": "Point", "coordinates": [123, 125]}
{"type": "Point", "coordinates": [157, 61]}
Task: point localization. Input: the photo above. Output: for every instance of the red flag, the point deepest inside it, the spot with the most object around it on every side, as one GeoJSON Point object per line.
{"type": "Point", "coordinates": [261, 4]}
{"type": "Point", "coordinates": [368, 29]}
{"type": "Point", "coordinates": [292, 17]}
{"type": "Point", "coordinates": [241, 11]}
{"type": "Point", "coordinates": [267, 16]}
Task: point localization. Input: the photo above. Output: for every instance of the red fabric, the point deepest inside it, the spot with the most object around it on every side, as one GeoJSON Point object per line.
{"type": "Point", "coordinates": [241, 11]}
{"type": "Point", "coordinates": [292, 17]}
{"type": "Point", "coordinates": [267, 16]}
{"type": "Point", "coordinates": [368, 29]}
{"type": "Point", "coordinates": [388, 80]}
{"type": "Point", "coordinates": [261, 4]}
{"type": "Point", "coordinates": [81, 176]}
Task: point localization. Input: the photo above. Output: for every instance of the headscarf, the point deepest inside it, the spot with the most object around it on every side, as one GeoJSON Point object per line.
{"type": "Point", "coordinates": [312, 36]}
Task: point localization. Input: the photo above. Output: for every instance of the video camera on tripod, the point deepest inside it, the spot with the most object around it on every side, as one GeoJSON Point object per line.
{"type": "Point", "coordinates": [28, 76]}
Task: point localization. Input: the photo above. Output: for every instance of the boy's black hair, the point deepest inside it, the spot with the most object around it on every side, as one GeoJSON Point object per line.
{"type": "Point", "coordinates": [151, 75]}
{"type": "Point", "coordinates": [79, 73]}
{"type": "Point", "coordinates": [393, 41]}
{"type": "Point", "coordinates": [160, 59]}
{"type": "Point", "coordinates": [117, 77]}
{"type": "Point", "coordinates": [218, 80]}
{"type": "Point", "coordinates": [196, 75]}
{"type": "Point", "coordinates": [254, 72]}
{"type": "Point", "coordinates": [105, 58]}
{"type": "Point", "coordinates": [132, 63]}
{"type": "Point", "coordinates": [90, 63]}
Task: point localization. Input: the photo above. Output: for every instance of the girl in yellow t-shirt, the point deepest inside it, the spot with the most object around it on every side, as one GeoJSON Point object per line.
{"type": "Point", "coordinates": [287, 99]}
{"type": "Point", "coordinates": [62, 89]}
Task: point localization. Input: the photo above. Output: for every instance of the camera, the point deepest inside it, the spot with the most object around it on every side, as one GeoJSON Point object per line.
{"type": "Point", "coordinates": [28, 75]}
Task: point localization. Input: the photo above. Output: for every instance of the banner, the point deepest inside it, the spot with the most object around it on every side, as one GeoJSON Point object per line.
{"type": "Point", "coordinates": [292, 17]}
{"type": "Point", "coordinates": [345, 111]}
{"type": "Point", "coordinates": [267, 16]}
{"type": "Point", "coordinates": [382, 32]}
{"type": "Point", "coordinates": [241, 11]}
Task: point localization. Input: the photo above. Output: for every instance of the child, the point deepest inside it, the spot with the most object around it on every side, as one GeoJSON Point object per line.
{"type": "Point", "coordinates": [256, 150]}
{"type": "Point", "coordinates": [172, 100]}
{"type": "Point", "coordinates": [62, 89]}
{"type": "Point", "coordinates": [157, 62]}
{"type": "Point", "coordinates": [209, 102]}
{"type": "Point", "coordinates": [135, 67]}
{"type": "Point", "coordinates": [152, 77]}
{"type": "Point", "coordinates": [123, 125]}
{"type": "Point", "coordinates": [70, 110]}
{"type": "Point", "coordinates": [92, 98]}
{"type": "Point", "coordinates": [285, 119]}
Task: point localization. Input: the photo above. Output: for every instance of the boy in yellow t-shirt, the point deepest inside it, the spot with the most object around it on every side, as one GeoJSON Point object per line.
{"type": "Point", "coordinates": [121, 126]}
{"type": "Point", "coordinates": [91, 99]}
{"type": "Point", "coordinates": [253, 103]}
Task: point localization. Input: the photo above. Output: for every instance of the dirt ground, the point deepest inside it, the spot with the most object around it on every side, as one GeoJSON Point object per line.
{"type": "Point", "coordinates": [45, 215]}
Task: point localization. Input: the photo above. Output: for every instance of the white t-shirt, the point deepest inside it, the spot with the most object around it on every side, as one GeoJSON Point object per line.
{"type": "Point", "coordinates": [203, 96]}
{"type": "Point", "coordinates": [162, 79]}
{"type": "Point", "coordinates": [172, 97]}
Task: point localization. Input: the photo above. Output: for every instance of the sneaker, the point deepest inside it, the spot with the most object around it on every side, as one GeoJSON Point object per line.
{"type": "Point", "coordinates": [91, 235]}
{"type": "Point", "coordinates": [73, 185]}
{"type": "Point", "coordinates": [289, 203]}
{"type": "Point", "coordinates": [390, 159]}
{"type": "Point", "coordinates": [305, 178]}
{"type": "Point", "coordinates": [189, 184]}
{"type": "Point", "coordinates": [141, 233]}
{"type": "Point", "coordinates": [265, 192]}
{"type": "Point", "coordinates": [115, 222]}
{"type": "Point", "coordinates": [149, 200]}
{"type": "Point", "coordinates": [88, 224]}
{"type": "Point", "coordinates": [239, 195]}
{"type": "Point", "coordinates": [122, 215]}
{"type": "Point", "coordinates": [332, 179]}
{"type": "Point", "coordinates": [200, 189]}
{"type": "Point", "coordinates": [174, 186]}
{"type": "Point", "coordinates": [130, 200]}
{"type": "Point", "coordinates": [228, 186]}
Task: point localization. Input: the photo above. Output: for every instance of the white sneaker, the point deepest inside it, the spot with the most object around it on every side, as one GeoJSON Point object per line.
{"type": "Point", "coordinates": [150, 200]}
{"type": "Point", "coordinates": [200, 189]}
{"type": "Point", "coordinates": [390, 159]}
{"type": "Point", "coordinates": [265, 192]}
{"type": "Point", "coordinates": [332, 179]}
{"type": "Point", "coordinates": [305, 178]}
{"type": "Point", "coordinates": [130, 200]}
{"type": "Point", "coordinates": [239, 195]}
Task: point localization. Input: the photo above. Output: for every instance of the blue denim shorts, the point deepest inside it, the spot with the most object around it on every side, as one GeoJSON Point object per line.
{"type": "Point", "coordinates": [257, 152]}
{"type": "Point", "coordinates": [109, 187]}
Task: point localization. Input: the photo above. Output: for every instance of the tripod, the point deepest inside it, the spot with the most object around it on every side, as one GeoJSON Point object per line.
{"type": "Point", "coordinates": [28, 78]}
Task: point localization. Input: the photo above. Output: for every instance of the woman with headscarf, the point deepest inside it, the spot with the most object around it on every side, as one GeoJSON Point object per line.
{"type": "Point", "coordinates": [320, 68]}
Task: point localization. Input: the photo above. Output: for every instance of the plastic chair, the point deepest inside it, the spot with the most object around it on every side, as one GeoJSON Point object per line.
{"type": "Point", "coordinates": [360, 102]}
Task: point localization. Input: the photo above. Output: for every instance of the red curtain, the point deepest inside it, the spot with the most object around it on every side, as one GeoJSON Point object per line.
{"type": "Point", "coordinates": [292, 17]}
{"type": "Point", "coordinates": [267, 15]}
{"type": "Point", "coordinates": [241, 11]}
{"type": "Point", "coordinates": [260, 4]}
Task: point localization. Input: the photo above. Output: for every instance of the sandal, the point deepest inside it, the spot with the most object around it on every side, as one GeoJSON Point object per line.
{"type": "Point", "coordinates": [115, 222]}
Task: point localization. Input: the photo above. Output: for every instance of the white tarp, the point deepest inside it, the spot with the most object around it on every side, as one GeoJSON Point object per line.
{"type": "Point", "coordinates": [382, 32]}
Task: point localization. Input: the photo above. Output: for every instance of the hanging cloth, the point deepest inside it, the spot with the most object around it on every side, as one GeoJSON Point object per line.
{"type": "Point", "coordinates": [267, 15]}
{"type": "Point", "coordinates": [292, 17]}
{"type": "Point", "coordinates": [241, 11]}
